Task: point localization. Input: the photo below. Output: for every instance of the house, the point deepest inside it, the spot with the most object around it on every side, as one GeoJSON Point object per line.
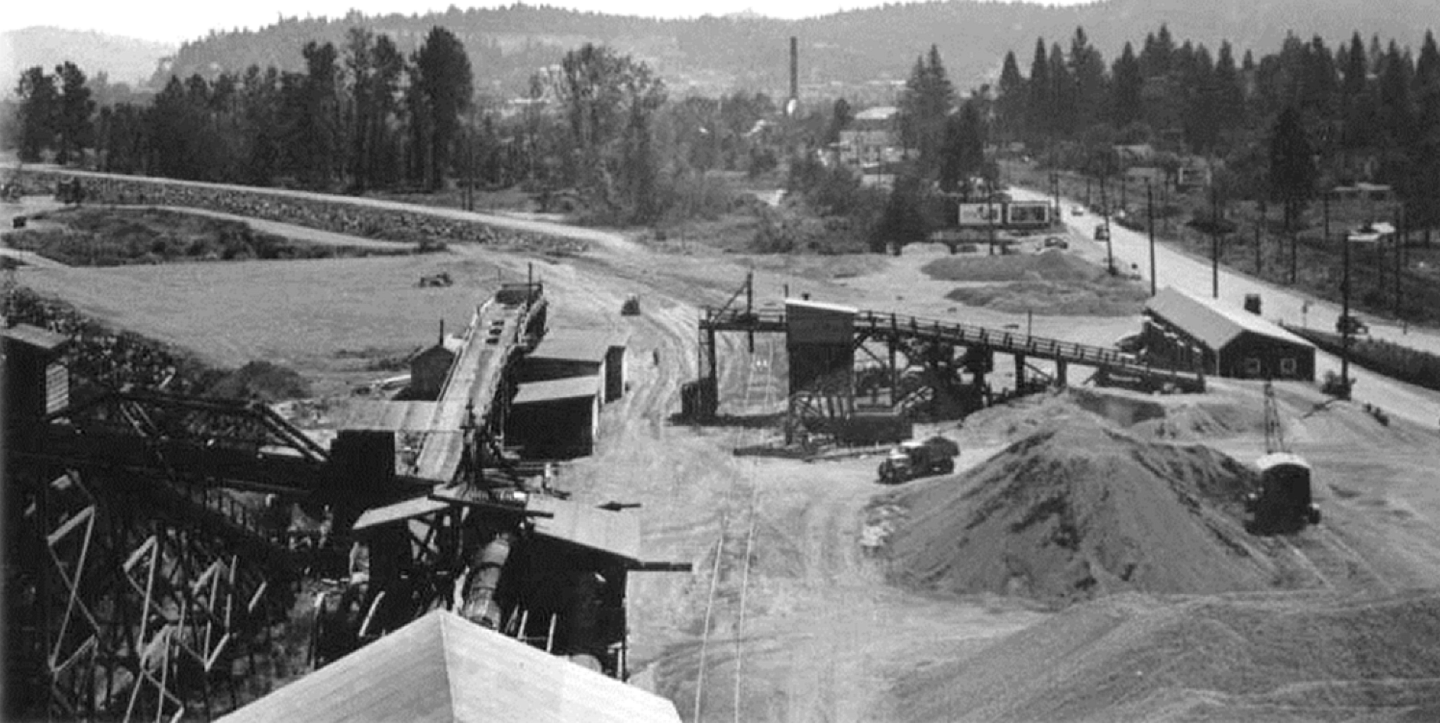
{"type": "Point", "coordinates": [1224, 340]}
{"type": "Point", "coordinates": [431, 367]}
{"type": "Point", "coordinates": [872, 141]}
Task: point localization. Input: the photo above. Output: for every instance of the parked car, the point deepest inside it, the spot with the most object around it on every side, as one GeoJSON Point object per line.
{"type": "Point", "coordinates": [1102, 233]}
{"type": "Point", "coordinates": [1356, 326]}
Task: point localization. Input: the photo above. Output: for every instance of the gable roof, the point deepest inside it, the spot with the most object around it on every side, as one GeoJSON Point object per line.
{"type": "Point", "coordinates": [443, 668]}
{"type": "Point", "coordinates": [1212, 322]}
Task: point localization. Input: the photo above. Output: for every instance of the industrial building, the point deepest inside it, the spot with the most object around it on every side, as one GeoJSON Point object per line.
{"type": "Point", "coordinates": [565, 353]}
{"type": "Point", "coordinates": [555, 418]}
{"type": "Point", "coordinates": [1223, 340]}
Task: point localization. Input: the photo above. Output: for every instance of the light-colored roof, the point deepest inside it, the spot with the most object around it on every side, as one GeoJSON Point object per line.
{"type": "Point", "coordinates": [443, 668]}
{"type": "Point", "coordinates": [1279, 459]}
{"type": "Point", "coordinates": [36, 337]}
{"type": "Point", "coordinates": [1215, 324]}
{"type": "Point", "coordinates": [878, 113]}
{"type": "Point", "coordinates": [616, 533]}
{"type": "Point", "coordinates": [574, 345]}
{"type": "Point", "coordinates": [822, 306]}
{"type": "Point", "coordinates": [386, 514]}
{"type": "Point", "coordinates": [557, 389]}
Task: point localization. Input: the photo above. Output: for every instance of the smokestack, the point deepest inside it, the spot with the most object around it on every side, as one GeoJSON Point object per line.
{"type": "Point", "coordinates": [794, 68]}
{"type": "Point", "coordinates": [442, 332]}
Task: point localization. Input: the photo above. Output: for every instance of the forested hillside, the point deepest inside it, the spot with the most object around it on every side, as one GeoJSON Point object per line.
{"type": "Point", "coordinates": [852, 48]}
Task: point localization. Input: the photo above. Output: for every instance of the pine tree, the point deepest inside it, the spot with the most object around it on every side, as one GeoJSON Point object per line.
{"type": "Point", "coordinates": [926, 102]}
{"type": "Point", "coordinates": [1087, 67]}
{"type": "Point", "coordinates": [963, 155]}
{"type": "Point", "coordinates": [74, 125]}
{"type": "Point", "coordinates": [443, 85]}
{"type": "Point", "coordinates": [39, 107]}
{"type": "Point", "coordinates": [1292, 164]}
{"type": "Point", "coordinates": [1037, 115]}
{"type": "Point", "coordinates": [1128, 85]}
{"type": "Point", "coordinates": [1011, 103]}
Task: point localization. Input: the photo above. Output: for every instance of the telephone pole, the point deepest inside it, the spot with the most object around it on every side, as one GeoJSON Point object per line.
{"type": "Point", "coordinates": [1150, 225]}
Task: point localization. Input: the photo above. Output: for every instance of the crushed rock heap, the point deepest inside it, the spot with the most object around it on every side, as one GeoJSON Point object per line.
{"type": "Point", "coordinates": [1081, 509]}
{"type": "Point", "coordinates": [1242, 657]}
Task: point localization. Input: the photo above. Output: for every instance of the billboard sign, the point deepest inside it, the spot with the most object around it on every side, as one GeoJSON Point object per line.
{"type": "Point", "coordinates": [1033, 213]}
{"type": "Point", "coordinates": [980, 214]}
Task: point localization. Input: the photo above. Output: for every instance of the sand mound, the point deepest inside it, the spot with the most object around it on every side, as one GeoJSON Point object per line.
{"type": "Point", "coordinates": [1052, 265]}
{"type": "Point", "coordinates": [1273, 657]}
{"type": "Point", "coordinates": [1077, 510]}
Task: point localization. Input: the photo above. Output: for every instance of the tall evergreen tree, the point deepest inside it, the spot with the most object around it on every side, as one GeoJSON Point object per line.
{"type": "Point", "coordinates": [924, 106]}
{"type": "Point", "coordinates": [1292, 164]}
{"type": "Point", "coordinates": [74, 122]}
{"type": "Point", "coordinates": [39, 107]}
{"type": "Point", "coordinates": [1037, 116]}
{"type": "Point", "coordinates": [1061, 107]}
{"type": "Point", "coordinates": [1230, 111]}
{"type": "Point", "coordinates": [963, 155]}
{"type": "Point", "coordinates": [1087, 67]}
{"type": "Point", "coordinates": [1128, 84]}
{"type": "Point", "coordinates": [1011, 102]}
{"type": "Point", "coordinates": [442, 79]}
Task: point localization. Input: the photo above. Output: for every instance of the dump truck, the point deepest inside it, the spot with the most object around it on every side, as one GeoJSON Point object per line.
{"type": "Point", "coordinates": [913, 459]}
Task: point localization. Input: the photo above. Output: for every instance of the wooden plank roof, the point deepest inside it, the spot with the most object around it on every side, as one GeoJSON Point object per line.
{"type": "Point", "coordinates": [443, 668]}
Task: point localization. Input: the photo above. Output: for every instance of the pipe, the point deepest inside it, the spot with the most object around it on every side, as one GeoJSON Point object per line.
{"type": "Point", "coordinates": [486, 566]}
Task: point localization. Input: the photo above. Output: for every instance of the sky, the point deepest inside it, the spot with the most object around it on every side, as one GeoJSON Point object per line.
{"type": "Point", "coordinates": [174, 21]}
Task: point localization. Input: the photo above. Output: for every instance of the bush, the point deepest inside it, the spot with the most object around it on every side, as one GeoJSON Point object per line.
{"type": "Point", "coordinates": [1392, 360]}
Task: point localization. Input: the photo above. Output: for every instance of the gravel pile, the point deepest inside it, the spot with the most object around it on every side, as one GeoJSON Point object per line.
{"type": "Point", "coordinates": [1078, 509]}
{"type": "Point", "coordinates": [1251, 657]}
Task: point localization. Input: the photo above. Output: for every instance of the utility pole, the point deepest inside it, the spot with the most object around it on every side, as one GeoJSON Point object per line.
{"type": "Point", "coordinates": [1214, 241]}
{"type": "Point", "coordinates": [1345, 323]}
{"type": "Point", "coordinates": [1109, 248]}
{"type": "Point", "coordinates": [1259, 226]}
{"type": "Point", "coordinates": [1150, 225]}
{"type": "Point", "coordinates": [1401, 234]}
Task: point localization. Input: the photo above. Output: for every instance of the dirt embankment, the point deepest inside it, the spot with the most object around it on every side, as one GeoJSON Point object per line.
{"type": "Point", "coordinates": [1081, 509]}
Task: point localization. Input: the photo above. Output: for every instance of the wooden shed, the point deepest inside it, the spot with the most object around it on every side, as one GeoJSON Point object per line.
{"type": "Point", "coordinates": [1228, 341]}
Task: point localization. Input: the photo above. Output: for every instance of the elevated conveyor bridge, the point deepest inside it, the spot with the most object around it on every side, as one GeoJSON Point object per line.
{"type": "Point", "coordinates": [918, 360]}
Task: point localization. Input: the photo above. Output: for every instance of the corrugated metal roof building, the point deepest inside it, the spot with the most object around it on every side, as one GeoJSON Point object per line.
{"type": "Point", "coordinates": [556, 418]}
{"type": "Point", "coordinates": [570, 353]}
{"type": "Point", "coordinates": [443, 668]}
{"type": "Point", "coordinates": [1231, 341]}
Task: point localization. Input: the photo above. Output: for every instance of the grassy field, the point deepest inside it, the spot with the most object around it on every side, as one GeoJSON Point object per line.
{"type": "Point", "coordinates": [329, 318]}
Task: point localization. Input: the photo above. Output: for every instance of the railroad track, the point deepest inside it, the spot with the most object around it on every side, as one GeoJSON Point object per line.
{"type": "Point", "coordinates": [760, 396]}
